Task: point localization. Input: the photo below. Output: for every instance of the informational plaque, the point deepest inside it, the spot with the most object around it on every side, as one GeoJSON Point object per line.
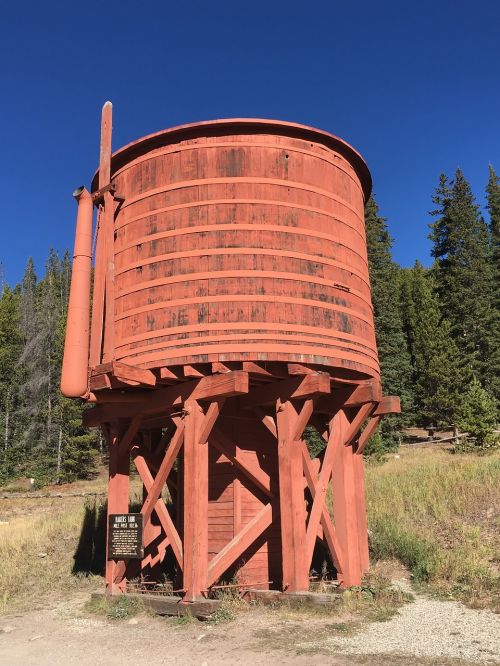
{"type": "Point", "coordinates": [125, 536]}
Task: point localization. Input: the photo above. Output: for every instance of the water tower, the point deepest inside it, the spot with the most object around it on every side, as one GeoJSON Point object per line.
{"type": "Point", "coordinates": [231, 309]}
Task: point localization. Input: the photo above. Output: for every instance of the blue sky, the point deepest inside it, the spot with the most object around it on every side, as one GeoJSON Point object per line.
{"type": "Point", "coordinates": [413, 86]}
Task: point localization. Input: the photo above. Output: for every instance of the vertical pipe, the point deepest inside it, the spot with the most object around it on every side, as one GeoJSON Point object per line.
{"type": "Point", "coordinates": [74, 376]}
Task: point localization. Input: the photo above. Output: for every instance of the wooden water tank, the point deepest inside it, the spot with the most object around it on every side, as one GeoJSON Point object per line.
{"type": "Point", "coordinates": [242, 240]}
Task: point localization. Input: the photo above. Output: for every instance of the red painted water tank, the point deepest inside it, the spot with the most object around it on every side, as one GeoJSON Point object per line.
{"type": "Point", "coordinates": [242, 240]}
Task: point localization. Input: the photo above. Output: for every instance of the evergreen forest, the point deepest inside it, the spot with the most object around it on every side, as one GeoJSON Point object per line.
{"type": "Point", "coordinates": [438, 335]}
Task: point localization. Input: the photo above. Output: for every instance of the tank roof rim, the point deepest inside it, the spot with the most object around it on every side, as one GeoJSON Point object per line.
{"type": "Point", "coordinates": [327, 137]}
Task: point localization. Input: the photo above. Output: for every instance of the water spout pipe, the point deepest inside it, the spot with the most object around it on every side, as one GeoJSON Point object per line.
{"type": "Point", "coordinates": [75, 370]}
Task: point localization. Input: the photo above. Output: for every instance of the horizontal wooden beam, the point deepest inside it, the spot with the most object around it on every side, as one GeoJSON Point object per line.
{"type": "Point", "coordinates": [102, 375]}
{"type": "Point", "coordinates": [305, 386]}
{"type": "Point", "coordinates": [390, 404]}
{"type": "Point", "coordinates": [349, 396]}
{"type": "Point", "coordinates": [213, 386]}
{"type": "Point", "coordinates": [125, 372]}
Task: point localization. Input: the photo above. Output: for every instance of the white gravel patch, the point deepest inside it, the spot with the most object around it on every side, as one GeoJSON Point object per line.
{"type": "Point", "coordinates": [430, 628]}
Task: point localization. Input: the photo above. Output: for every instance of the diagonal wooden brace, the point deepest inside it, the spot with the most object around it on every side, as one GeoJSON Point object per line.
{"type": "Point", "coordinates": [367, 433]}
{"type": "Point", "coordinates": [338, 427]}
{"type": "Point", "coordinates": [303, 418]}
{"type": "Point", "coordinates": [326, 522]}
{"type": "Point", "coordinates": [154, 492]}
{"type": "Point", "coordinates": [239, 544]}
{"type": "Point", "coordinates": [127, 438]}
{"type": "Point", "coordinates": [160, 508]}
{"type": "Point", "coordinates": [256, 475]}
{"type": "Point", "coordinates": [354, 426]}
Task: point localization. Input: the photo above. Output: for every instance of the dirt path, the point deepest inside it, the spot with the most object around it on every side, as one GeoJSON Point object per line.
{"type": "Point", "coordinates": [425, 632]}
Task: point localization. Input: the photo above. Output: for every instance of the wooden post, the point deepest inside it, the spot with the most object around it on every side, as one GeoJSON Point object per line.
{"type": "Point", "coordinates": [359, 478]}
{"type": "Point", "coordinates": [292, 506]}
{"type": "Point", "coordinates": [345, 508]}
{"type": "Point", "coordinates": [118, 500]}
{"type": "Point", "coordinates": [195, 505]}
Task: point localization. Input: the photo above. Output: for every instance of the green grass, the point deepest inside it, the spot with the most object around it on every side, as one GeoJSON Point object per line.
{"type": "Point", "coordinates": [115, 608]}
{"type": "Point", "coordinates": [437, 513]}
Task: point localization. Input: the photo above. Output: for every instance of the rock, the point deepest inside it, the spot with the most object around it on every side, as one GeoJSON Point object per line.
{"type": "Point", "coordinates": [35, 638]}
{"type": "Point", "coordinates": [200, 637]}
{"type": "Point", "coordinates": [133, 620]}
{"type": "Point", "coordinates": [42, 554]}
{"type": "Point", "coordinates": [7, 629]}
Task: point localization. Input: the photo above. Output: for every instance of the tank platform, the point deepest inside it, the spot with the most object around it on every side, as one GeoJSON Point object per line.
{"type": "Point", "coordinates": [248, 500]}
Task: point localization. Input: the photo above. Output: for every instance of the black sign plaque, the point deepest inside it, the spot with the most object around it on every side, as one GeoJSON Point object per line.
{"type": "Point", "coordinates": [125, 536]}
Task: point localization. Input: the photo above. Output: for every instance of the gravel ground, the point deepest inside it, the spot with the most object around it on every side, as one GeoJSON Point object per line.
{"type": "Point", "coordinates": [429, 628]}
{"type": "Point", "coordinates": [426, 632]}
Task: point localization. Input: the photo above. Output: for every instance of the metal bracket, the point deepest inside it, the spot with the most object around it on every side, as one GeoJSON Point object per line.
{"type": "Point", "coordinates": [98, 195]}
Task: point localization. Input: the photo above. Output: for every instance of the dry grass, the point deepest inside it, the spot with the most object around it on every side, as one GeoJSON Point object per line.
{"type": "Point", "coordinates": [49, 546]}
{"type": "Point", "coordinates": [435, 512]}
{"type": "Point", "coordinates": [37, 545]}
{"type": "Point", "coordinates": [438, 514]}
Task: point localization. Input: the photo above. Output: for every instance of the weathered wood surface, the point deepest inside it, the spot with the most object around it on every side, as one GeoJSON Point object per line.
{"type": "Point", "coordinates": [213, 386]}
{"type": "Point", "coordinates": [293, 598]}
{"type": "Point", "coordinates": [165, 605]}
{"type": "Point", "coordinates": [244, 246]}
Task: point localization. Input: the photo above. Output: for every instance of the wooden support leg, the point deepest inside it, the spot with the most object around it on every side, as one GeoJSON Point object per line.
{"type": "Point", "coordinates": [345, 514]}
{"type": "Point", "coordinates": [195, 504]}
{"type": "Point", "coordinates": [359, 476]}
{"type": "Point", "coordinates": [118, 502]}
{"type": "Point", "coordinates": [292, 506]}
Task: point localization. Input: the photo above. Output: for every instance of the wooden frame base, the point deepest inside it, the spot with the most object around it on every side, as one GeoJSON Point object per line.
{"type": "Point", "coordinates": [242, 502]}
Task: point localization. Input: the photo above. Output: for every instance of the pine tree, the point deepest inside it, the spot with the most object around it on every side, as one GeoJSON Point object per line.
{"type": "Point", "coordinates": [393, 353]}
{"type": "Point", "coordinates": [10, 347]}
{"type": "Point", "coordinates": [493, 205]}
{"type": "Point", "coordinates": [31, 375]}
{"type": "Point", "coordinates": [43, 431]}
{"type": "Point", "coordinates": [478, 415]}
{"type": "Point", "coordinates": [463, 274]}
{"type": "Point", "coordinates": [435, 358]}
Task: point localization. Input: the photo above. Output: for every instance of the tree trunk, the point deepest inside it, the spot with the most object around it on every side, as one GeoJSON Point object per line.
{"type": "Point", "coordinates": [59, 454]}
{"type": "Point", "coordinates": [7, 420]}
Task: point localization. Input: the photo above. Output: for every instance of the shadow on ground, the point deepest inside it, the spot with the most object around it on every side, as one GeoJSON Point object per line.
{"type": "Point", "coordinates": [90, 553]}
